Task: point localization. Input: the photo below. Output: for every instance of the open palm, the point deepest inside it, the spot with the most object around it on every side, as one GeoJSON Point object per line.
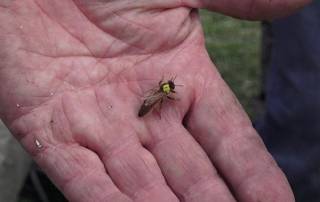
{"type": "Point", "coordinates": [73, 76]}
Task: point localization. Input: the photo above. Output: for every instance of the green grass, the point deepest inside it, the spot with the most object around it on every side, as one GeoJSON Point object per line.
{"type": "Point", "coordinates": [234, 46]}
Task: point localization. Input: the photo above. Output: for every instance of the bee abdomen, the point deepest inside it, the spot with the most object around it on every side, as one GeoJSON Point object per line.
{"type": "Point", "coordinates": [143, 110]}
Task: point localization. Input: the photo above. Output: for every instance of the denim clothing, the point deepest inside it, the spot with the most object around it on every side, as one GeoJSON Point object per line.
{"type": "Point", "coordinates": [291, 125]}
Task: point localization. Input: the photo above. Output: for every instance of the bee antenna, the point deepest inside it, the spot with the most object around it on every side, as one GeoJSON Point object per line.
{"type": "Point", "coordinates": [174, 78]}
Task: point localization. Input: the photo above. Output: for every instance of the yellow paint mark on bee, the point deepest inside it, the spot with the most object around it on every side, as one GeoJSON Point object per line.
{"type": "Point", "coordinates": [166, 88]}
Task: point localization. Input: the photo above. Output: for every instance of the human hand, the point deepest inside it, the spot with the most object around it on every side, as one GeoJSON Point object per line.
{"type": "Point", "coordinates": [251, 9]}
{"type": "Point", "coordinates": [73, 74]}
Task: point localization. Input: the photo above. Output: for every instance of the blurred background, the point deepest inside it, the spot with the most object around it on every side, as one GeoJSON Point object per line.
{"type": "Point", "coordinates": [235, 47]}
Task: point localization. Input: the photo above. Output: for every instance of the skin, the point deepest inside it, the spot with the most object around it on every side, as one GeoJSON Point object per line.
{"type": "Point", "coordinates": [73, 75]}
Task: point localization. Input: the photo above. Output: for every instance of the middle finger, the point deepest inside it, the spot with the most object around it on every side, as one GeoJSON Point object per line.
{"type": "Point", "coordinates": [185, 165]}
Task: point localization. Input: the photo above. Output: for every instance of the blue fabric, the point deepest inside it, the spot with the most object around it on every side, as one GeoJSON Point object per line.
{"type": "Point", "coordinates": [291, 126]}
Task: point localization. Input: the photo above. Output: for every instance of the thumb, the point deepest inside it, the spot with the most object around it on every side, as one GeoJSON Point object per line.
{"type": "Point", "coordinates": [251, 9]}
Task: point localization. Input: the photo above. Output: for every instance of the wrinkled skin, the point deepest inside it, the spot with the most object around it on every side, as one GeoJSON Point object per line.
{"type": "Point", "coordinates": [73, 75]}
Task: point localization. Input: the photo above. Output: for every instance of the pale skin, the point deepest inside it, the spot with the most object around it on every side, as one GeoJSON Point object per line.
{"type": "Point", "coordinates": [73, 75]}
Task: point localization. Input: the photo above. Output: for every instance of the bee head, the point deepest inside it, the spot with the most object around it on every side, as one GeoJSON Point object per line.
{"type": "Point", "coordinates": [171, 84]}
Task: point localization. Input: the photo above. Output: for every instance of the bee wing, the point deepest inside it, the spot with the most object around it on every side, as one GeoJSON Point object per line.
{"type": "Point", "coordinates": [152, 99]}
{"type": "Point", "coordinates": [151, 92]}
{"type": "Point", "coordinates": [149, 102]}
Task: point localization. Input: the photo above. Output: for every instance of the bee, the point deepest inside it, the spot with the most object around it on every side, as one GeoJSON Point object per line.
{"type": "Point", "coordinates": [157, 95]}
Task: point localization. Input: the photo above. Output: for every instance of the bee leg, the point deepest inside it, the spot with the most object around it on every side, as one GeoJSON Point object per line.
{"type": "Point", "coordinates": [171, 98]}
{"type": "Point", "coordinates": [160, 107]}
{"type": "Point", "coordinates": [173, 91]}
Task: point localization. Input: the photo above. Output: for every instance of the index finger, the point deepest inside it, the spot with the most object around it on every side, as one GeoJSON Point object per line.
{"type": "Point", "coordinates": [223, 129]}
